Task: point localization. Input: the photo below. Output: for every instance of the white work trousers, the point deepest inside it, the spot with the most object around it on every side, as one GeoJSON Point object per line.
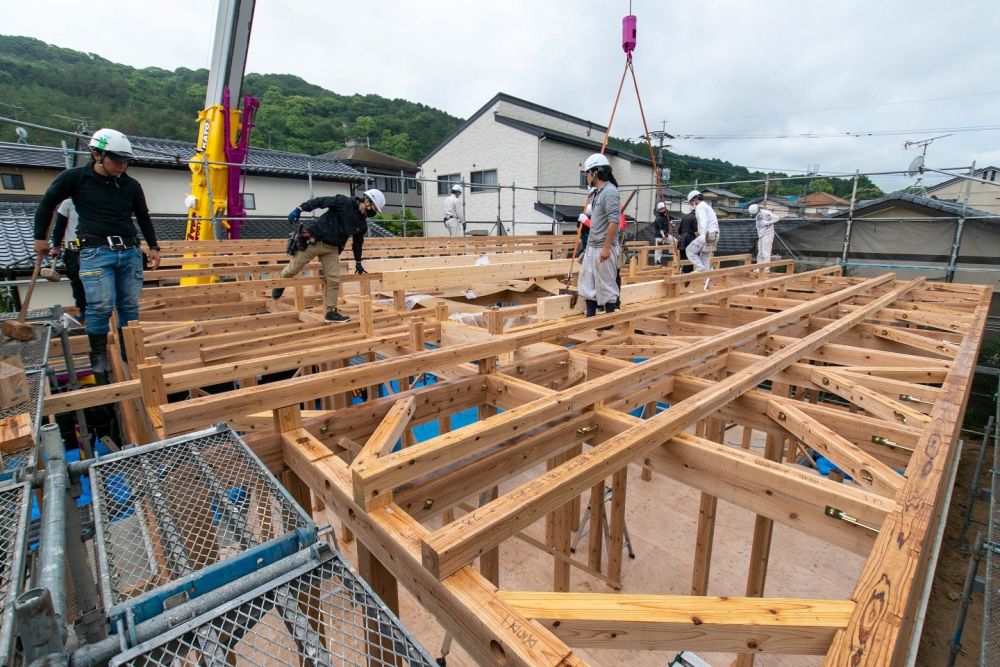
{"type": "Point", "coordinates": [597, 278]}
{"type": "Point", "coordinates": [454, 226]}
{"type": "Point", "coordinates": [661, 241]}
{"type": "Point", "coordinates": [764, 244]}
{"type": "Point", "coordinates": [698, 255]}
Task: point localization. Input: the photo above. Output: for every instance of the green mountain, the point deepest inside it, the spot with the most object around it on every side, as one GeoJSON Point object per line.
{"type": "Point", "coordinates": [58, 87]}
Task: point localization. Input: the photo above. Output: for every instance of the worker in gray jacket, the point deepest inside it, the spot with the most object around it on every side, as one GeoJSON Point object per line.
{"type": "Point", "coordinates": [597, 283]}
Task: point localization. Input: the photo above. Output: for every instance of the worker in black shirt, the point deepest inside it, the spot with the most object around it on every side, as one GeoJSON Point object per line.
{"type": "Point", "coordinates": [106, 198]}
{"type": "Point", "coordinates": [687, 231]}
{"type": "Point", "coordinates": [325, 237]}
{"type": "Point", "coordinates": [661, 231]}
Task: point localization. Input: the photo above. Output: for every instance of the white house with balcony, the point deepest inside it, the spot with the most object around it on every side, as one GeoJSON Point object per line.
{"type": "Point", "coordinates": [535, 155]}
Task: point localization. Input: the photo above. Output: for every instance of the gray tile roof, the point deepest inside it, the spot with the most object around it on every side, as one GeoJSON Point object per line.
{"type": "Point", "coordinates": [722, 192]}
{"type": "Point", "coordinates": [31, 156]}
{"type": "Point", "coordinates": [17, 235]}
{"type": "Point", "coordinates": [736, 237]}
{"type": "Point", "coordinates": [943, 205]}
{"type": "Point", "coordinates": [259, 161]}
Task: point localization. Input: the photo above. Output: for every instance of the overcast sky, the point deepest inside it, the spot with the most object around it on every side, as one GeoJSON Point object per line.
{"type": "Point", "coordinates": [715, 67]}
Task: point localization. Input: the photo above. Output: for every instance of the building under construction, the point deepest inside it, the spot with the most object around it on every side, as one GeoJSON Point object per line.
{"type": "Point", "coordinates": [757, 471]}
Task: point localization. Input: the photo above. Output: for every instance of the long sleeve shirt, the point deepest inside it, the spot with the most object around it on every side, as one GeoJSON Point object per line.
{"type": "Point", "coordinates": [707, 220]}
{"type": "Point", "coordinates": [105, 204]}
{"type": "Point", "coordinates": [606, 214]}
{"type": "Point", "coordinates": [341, 221]}
{"type": "Point", "coordinates": [453, 208]}
{"type": "Point", "coordinates": [765, 221]}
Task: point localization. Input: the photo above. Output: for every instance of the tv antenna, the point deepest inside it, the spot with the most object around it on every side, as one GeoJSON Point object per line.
{"type": "Point", "coordinates": [916, 167]}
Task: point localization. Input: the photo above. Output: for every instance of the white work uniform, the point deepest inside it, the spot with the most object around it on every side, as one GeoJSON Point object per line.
{"type": "Point", "coordinates": [765, 234]}
{"type": "Point", "coordinates": [597, 281]}
{"type": "Point", "coordinates": [708, 223]}
{"type": "Point", "coordinates": [454, 215]}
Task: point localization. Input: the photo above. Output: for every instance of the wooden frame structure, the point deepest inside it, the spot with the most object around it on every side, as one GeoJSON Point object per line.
{"type": "Point", "coordinates": [872, 373]}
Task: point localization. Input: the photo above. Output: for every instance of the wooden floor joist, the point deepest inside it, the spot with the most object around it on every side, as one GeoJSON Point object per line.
{"type": "Point", "coordinates": [870, 373]}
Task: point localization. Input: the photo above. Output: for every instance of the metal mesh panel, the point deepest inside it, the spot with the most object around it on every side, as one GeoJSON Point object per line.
{"type": "Point", "coordinates": [32, 406]}
{"type": "Point", "coordinates": [15, 502]}
{"type": "Point", "coordinates": [34, 352]}
{"type": "Point", "coordinates": [991, 610]}
{"type": "Point", "coordinates": [164, 511]}
{"type": "Point", "coordinates": [326, 616]}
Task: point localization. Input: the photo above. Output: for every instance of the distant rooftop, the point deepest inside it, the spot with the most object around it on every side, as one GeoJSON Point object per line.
{"type": "Point", "coordinates": [364, 156]}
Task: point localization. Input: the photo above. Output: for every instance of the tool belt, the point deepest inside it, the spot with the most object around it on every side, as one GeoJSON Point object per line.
{"type": "Point", "coordinates": [115, 242]}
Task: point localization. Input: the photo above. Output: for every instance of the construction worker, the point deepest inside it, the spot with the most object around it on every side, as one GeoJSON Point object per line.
{"type": "Point", "coordinates": [597, 283]}
{"type": "Point", "coordinates": [765, 231]}
{"type": "Point", "coordinates": [66, 245]}
{"type": "Point", "coordinates": [454, 212]}
{"type": "Point", "coordinates": [325, 237]}
{"type": "Point", "coordinates": [700, 250]}
{"type": "Point", "coordinates": [106, 198]}
{"type": "Point", "coordinates": [687, 230]}
{"type": "Point", "coordinates": [661, 230]}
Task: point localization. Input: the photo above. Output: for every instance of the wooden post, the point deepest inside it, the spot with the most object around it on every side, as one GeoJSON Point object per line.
{"type": "Point", "coordinates": [714, 430]}
{"type": "Point", "coordinates": [287, 419]}
{"type": "Point", "coordinates": [489, 561]}
{"type": "Point", "coordinates": [596, 542]}
{"type": "Point", "coordinates": [616, 542]}
{"type": "Point", "coordinates": [558, 533]}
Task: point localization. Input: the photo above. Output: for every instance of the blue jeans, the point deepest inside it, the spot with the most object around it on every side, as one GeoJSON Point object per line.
{"type": "Point", "coordinates": [111, 279]}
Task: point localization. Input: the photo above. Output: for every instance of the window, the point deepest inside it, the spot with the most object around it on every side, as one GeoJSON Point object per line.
{"type": "Point", "coordinates": [583, 180]}
{"type": "Point", "coordinates": [13, 182]}
{"type": "Point", "coordinates": [481, 180]}
{"type": "Point", "coordinates": [412, 184]}
{"type": "Point", "coordinates": [445, 183]}
{"type": "Point", "coordinates": [389, 184]}
{"type": "Point", "coordinates": [249, 203]}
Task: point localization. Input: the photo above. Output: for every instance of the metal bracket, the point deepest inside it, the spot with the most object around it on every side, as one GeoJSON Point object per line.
{"type": "Point", "coordinates": [835, 513]}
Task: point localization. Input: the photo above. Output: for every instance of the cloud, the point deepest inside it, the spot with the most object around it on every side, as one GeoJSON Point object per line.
{"type": "Point", "coordinates": [755, 63]}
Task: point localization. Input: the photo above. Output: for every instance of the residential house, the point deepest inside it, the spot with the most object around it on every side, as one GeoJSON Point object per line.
{"type": "Point", "coordinates": [982, 196]}
{"type": "Point", "coordinates": [783, 207]}
{"type": "Point", "coordinates": [395, 177]}
{"type": "Point", "coordinates": [513, 142]}
{"type": "Point", "coordinates": [26, 171]}
{"type": "Point", "coordinates": [823, 204]}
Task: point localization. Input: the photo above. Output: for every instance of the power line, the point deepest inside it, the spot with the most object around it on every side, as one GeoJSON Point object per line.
{"type": "Point", "coordinates": [845, 135]}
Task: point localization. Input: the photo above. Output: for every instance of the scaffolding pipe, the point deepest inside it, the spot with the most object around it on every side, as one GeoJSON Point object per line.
{"type": "Point", "coordinates": [42, 634]}
{"type": "Point", "coordinates": [847, 229]}
{"type": "Point", "coordinates": [959, 229]}
{"type": "Point", "coordinates": [99, 653]}
{"type": "Point", "coordinates": [970, 580]}
{"type": "Point", "coordinates": [974, 486]}
{"type": "Point", "coordinates": [52, 534]}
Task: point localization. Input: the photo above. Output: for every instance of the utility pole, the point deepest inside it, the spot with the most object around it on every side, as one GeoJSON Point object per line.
{"type": "Point", "coordinates": [662, 135]}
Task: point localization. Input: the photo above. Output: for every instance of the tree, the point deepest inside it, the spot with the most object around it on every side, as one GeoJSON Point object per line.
{"type": "Point", "coordinates": [821, 185]}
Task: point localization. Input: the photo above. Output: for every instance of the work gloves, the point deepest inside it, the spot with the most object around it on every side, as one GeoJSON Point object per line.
{"type": "Point", "coordinates": [294, 215]}
{"type": "Point", "coordinates": [582, 218]}
{"type": "Point", "coordinates": [359, 268]}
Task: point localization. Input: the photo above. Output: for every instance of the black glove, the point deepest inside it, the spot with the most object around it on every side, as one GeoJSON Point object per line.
{"type": "Point", "coordinates": [294, 215]}
{"type": "Point", "coordinates": [359, 268]}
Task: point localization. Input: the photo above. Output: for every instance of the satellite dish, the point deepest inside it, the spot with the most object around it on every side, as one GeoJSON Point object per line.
{"type": "Point", "coordinates": [916, 166]}
{"type": "Point", "coordinates": [22, 134]}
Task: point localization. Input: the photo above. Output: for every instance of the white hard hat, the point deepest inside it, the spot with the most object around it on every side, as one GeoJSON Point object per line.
{"type": "Point", "coordinates": [752, 209]}
{"type": "Point", "coordinates": [376, 197]}
{"type": "Point", "coordinates": [456, 188]}
{"type": "Point", "coordinates": [594, 161]}
{"type": "Point", "coordinates": [112, 141]}
{"type": "Point", "coordinates": [693, 194]}
{"type": "Point", "coordinates": [660, 206]}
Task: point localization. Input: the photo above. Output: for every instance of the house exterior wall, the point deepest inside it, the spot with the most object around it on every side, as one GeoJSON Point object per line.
{"type": "Point", "coordinates": [484, 145]}
{"type": "Point", "coordinates": [985, 197]}
{"type": "Point", "coordinates": [36, 179]}
{"type": "Point", "coordinates": [166, 188]}
{"type": "Point", "coordinates": [518, 112]}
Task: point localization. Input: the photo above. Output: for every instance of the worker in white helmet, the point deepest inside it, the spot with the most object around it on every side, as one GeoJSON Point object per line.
{"type": "Point", "coordinates": [325, 237]}
{"type": "Point", "coordinates": [661, 231]}
{"type": "Point", "coordinates": [454, 212]}
{"type": "Point", "coordinates": [700, 250]}
{"type": "Point", "coordinates": [597, 284]}
{"type": "Point", "coordinates": [765, 220]}
{"type": "Point", "coordinates": [111, 262]}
